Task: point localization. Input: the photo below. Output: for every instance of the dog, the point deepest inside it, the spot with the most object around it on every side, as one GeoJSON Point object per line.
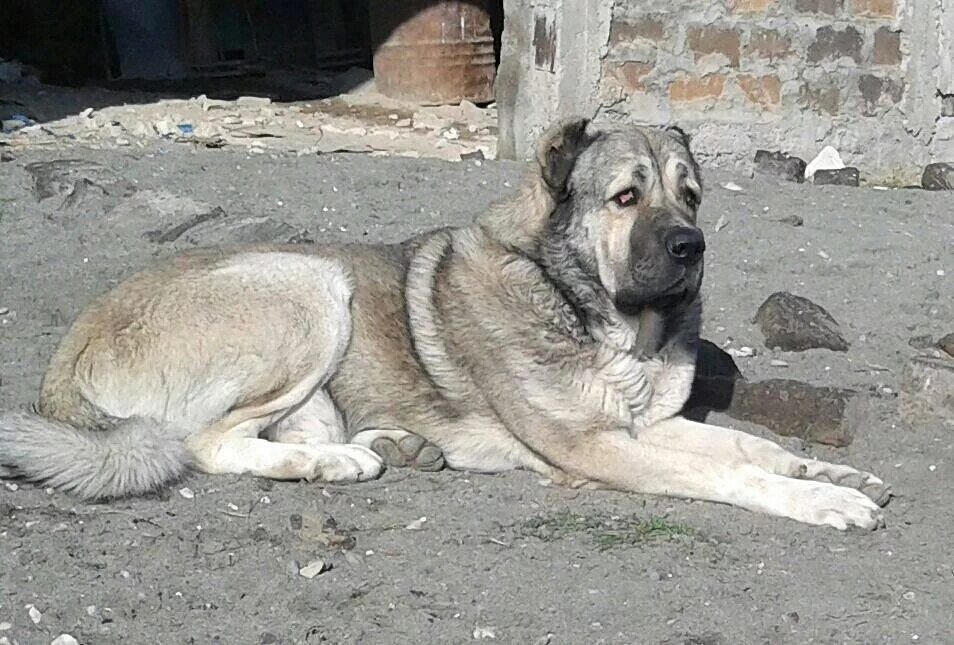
{"type": "Point", "coordinates": [557, 333]}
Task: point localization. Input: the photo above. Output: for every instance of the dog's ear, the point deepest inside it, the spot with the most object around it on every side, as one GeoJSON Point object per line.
{"type": "Point", "coordinates": [558, 150]}
{"type": "Point", "coordinates": [679, 135]}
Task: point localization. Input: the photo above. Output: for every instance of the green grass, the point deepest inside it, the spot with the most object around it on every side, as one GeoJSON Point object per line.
{"type": "Point", "coordinates": [604, 532]}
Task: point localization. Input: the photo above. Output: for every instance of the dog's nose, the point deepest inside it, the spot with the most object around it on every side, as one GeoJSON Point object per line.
{"type": "Point", "coordinates": [685, 245]}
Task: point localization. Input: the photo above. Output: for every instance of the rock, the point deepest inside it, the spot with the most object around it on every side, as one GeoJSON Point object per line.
{"type": "Point", "coordinates": [78, 182]}
{"type": "Point", "coordinates": [921, 342]}
{"type": "Point", "coordinates": [173, 233]}
{"type": "Point", "coordinates": [268, 638]}
{"type": "Point", "coordinates": [794, 220]}
{"type": "Point", "coordinates": [64, 639]}
{"type": "Point", "coordinates": [827, 159]}
{"type": "Point", "coordinates": [947, 344]}
{"type": "Point", "coordinates": [787, 407]}
{"type": "Point", "coordinates": [938, 176]}
{"type": "Point", "coordinates": [249, 230]}
{"type": "Point", "coordinates": [314, 568]}
{"type": "Point", "coordinates": [796, 409]}
{"type": "Point", "coordinates": [836, 177]}
{"type": "Point", "coordinates": [780, 164]}
{"type": "Point", "coordinates": [926, 395]}
{"type": "Point", "coordinates": [794, 324]}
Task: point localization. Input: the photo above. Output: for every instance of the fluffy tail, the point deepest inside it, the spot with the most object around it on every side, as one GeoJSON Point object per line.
{"type": "Point", "coordinates": [134, 456]}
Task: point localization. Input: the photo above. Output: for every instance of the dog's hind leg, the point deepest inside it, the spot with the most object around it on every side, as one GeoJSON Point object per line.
{"type": "Point", "coordinates": [733, 446]}
{"type": "Point", "coordinates": [401, 449]}
{"type": "Point", "coordinates": [315, 421]}
{"type": "Point", "coordinates": [305, 446]}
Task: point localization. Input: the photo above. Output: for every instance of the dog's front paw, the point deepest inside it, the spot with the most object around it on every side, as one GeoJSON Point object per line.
{"type": "Point", "coordinates": [345, 463]}
{"type": "Point", "coordinates": [836, 506]}
{"type": "Point", "coordinates": [873, 487]}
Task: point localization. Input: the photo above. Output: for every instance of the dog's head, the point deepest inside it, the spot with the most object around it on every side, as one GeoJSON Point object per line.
{"type": "Point", "coordinates": [625, 201]}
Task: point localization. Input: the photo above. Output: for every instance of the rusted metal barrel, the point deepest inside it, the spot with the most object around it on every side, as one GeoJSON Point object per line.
{"type": "Point", "coordinates": [433, 52]}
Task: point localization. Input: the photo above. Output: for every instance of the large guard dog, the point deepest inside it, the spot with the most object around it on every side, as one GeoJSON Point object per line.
{"type": "Point", "coordinates": [557, 334]}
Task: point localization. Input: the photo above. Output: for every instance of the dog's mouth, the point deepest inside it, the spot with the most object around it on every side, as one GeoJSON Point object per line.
{"type": "Point", "coordinates": [632, 304]}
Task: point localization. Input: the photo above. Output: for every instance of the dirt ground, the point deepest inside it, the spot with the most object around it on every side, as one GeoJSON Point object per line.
{"type": "Point", "coordinates": [497, 557]}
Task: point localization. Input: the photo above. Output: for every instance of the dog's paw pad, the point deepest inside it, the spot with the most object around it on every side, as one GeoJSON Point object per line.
{"type": "Point", "coordinates": [411, 451]}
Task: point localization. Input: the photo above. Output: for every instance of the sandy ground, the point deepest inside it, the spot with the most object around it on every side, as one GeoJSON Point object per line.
{"type": "Point", "coordinates": [497, 557]}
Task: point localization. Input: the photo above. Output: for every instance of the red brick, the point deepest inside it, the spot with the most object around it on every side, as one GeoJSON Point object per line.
{"type": "Point", "coordinates": [696, 88]}
{"type": "Point", "coordinates": [715, 40]}
{"type": "Point", "coordinates": [764, 91]}
{"type": "Point", "coordinates": [629, 75]}
{"type": "Point", "coordinates": [830, 7]}
{"type": "Point", "coordinates": [876, 8]}
{"type": "Point", "coordinates": [627, 31]}
{"type": "Point", "coordinates": [750, 6]}
{"type": "Point", "coordinates": [768, 43]}
{"type": "Point", "coordinates": [887, 47]}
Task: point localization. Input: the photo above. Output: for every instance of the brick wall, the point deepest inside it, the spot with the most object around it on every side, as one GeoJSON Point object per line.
{"type": "Point", "coordinates": [792, 75]}
{"type": "Point", "coordinates": [761, 57]}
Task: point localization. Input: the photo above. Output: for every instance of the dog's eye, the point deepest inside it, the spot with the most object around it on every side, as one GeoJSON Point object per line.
{"type": "Point", "coordinates": [626, 198]}
{"type": "Point", "coordinates": [692, 200]}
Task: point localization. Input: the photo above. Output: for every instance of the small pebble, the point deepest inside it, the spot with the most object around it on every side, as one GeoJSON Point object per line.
{"type": "Point", "coordinates": [187, 492]}
{"type": "Point", "coordinates": [4, 626]}
{"type": "Point", "coordinates": [775, 362]}
{"type": "Point", "coordinates": [417, 524]}
{"type": "Point", "coordinates": [34, 613]}
{"type": "Point", "coordinates": [4, 311]}
{"type": "Point", "coordinates": [64, 639]}
{"type": "Point", "coordinates": [314, 568]}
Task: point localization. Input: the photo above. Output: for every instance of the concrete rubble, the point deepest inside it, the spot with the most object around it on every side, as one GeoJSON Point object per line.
{"type": "Point", "coordinates": [361, 120]}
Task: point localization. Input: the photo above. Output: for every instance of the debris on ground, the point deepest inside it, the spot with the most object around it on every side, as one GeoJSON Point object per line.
{"type": "Point", "coordinates": [938, 176]}
{"type": "Point", "coordinates": [314, 568]}
{"type": "Point", "coordinates": [793, 324]}
{"type": "Point", "coordinates": [788, 407]}
{"type": "Point", "coordinates": [847, 176]}
{"type": "Point", "coordinates": [926, 394]}
{"type": "Point", "coordinates": [360, 120]}
{"type": "Point", "coordinates": [827, 159]}
{"type": "Point", "coordinates": [779, 164]}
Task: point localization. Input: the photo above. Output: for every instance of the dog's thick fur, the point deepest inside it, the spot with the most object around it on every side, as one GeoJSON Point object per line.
{"type": "Point", "coordinates": [557, 333]}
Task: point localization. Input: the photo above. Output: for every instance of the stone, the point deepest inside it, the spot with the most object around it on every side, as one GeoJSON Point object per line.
{"type": "Point", "coordinates": [795, 409]}
{"type": "Point", "coordinates": [877, 91]}
{"type": "Point", "coordinates": [787, 407]}
{"type": "Point", "coordinates": [947, 344]}
{"type": "Point", "coordinates": [938, 176]}
{"type": "Point", "coordinates": [825, 99]}
{"type": "Point", "coordinates": [836, 177]}
{"type": "Point", "coordinates": [80, 183]}
{"type": "Point", "coordinates": [794, 220]}
{"type": "Point", "coordinates": [793, 323]}
{"type": "Point", "coordinates": [921, 342]}
{"type": "Point", "coordinates": [827, 159]}
{"type": "Point", "coordinates": [780, 164]}
{"type": "Point", "coordinates": [314, 568]}
{"type": "Point", "coordinates": [768, 43]}
{"type": "Point", "coordinates": [832, 44]}
{"type": "Point", "coordinates": [926, 396]}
